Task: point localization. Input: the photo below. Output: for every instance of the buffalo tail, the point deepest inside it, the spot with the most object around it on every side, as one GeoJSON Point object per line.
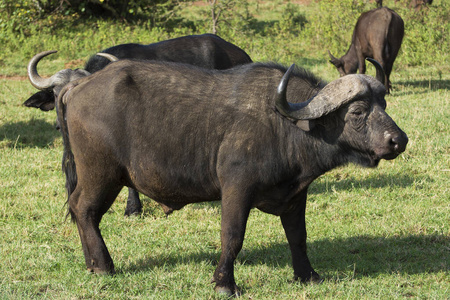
{"type": "Point", "coordinates": [68, 161]}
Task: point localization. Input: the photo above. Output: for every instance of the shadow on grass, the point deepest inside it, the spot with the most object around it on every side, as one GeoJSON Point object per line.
{"type": "Point", "coordinates": [33, 133]}
{"type": "Point", "coordinates": [432, 85]}
{"type": "Point", "coordinates": [334, 259]}
{"type": "Point", "coordinates": [376, 181]}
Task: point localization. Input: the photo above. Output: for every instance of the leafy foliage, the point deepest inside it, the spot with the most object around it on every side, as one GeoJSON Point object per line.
{"type": "Point", "coordinates": [427, 34]}
{"type": "Point", "coordinates": [276, 30]}
{"type": "Point", "coordinates": [22, 12]}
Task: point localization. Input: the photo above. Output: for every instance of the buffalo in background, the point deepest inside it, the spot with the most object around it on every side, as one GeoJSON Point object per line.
{"type": "Point", "coordinates": [378, 34]}
{"type": "Point", "coordinates": [416, 4]}
{"type": "Point", "coordinates": [206, 51]}
{"type": "Point", "coordinates": [254, 136]}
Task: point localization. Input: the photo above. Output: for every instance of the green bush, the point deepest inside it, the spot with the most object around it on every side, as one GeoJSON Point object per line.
{"type": "Point", "coordinates": [426, 34]}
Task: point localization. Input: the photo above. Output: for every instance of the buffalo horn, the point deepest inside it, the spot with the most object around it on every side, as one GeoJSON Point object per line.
{"type": "Point", "coordinates": [108, 56]}
{"type": "Point", "coordinates": [330, 98]}
{"type": "Point", "coordinates": [380, 71]}
{"type": "Point", "coordinates": [283, 106]}
{"type": "Point", "coordinates": [36, 80]}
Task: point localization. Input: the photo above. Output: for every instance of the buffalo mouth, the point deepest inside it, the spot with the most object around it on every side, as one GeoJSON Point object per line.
{"type": "Point", "coordinates": [376, 158]}
{"type": "Point", "coordinates": [390, 156]}
{"type": "Point", "coordinates": [390, 153]}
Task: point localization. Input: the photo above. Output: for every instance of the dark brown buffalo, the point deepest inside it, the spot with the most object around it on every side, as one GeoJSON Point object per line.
{"type": "Point", "coordinates": [206, 51]}
{"type": "Point", "coordinates": [419, 4]}
{"type": "Point", "coordinates": [254, 136]}
{"type": "Point", "coordinates": [416, 4]}
{"type": "Point", "coordinates": [378, 34]}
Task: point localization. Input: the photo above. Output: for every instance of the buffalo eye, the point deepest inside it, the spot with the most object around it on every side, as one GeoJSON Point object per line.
{"type": "Point", "coordinates": [357, 112]}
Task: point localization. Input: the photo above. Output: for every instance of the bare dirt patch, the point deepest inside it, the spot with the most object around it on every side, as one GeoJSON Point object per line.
{"type": "Point", "coordinates": [14, 77]}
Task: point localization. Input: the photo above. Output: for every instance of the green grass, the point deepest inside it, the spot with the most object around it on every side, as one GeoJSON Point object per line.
{"type": "Point", "coordinates": [372, 233]}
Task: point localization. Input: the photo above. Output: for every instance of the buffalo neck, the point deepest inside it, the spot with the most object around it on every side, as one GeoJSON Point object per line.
{"type": "Point", "coordinates": [315, 152]}
{"type": "Point", "coordinates": [350, 60]}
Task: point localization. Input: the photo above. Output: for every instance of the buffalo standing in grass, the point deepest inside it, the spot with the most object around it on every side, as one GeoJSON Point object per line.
{"type": "Point", "coordinates": [416, 4]}
{"type": "Point", "coordinates": [378, 34]}
{"type": "Point", "coordinates": [206, 51]}
{"type": "Point", "coordinates": [254, 136]}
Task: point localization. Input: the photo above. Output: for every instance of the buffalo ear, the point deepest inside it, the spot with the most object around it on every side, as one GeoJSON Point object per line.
{"type": "Point", "coordinates": [43, 100]}
{"type": "Point", "coordinates": [335, 61]}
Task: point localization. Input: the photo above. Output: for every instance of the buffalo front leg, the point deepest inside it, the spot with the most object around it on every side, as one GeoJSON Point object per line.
{"type": "Point", "coordinates": [134, 206]}
{"type": "Point", "coordinates": [234, 221]}
{"type": "Point", "coordinates": [295, 228]}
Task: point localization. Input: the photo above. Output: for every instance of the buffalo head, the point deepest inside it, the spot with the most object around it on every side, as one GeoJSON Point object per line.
{"type": "Point", "coordinates": [51, 87]}
{"type": "Point", "coordinates": [364, 122]}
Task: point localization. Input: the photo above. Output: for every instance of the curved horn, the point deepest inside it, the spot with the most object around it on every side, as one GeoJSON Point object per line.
{"type": "Point", "coordinates": [330, 98]}
{"type": "Point", "coordinates": [36, 80]}
{"type": "Point", "coordinates": [108, 56]}
{"type": "Point", "coordinates": [381, 76]}
{"type": "Point", "coordinates": [283, 106]}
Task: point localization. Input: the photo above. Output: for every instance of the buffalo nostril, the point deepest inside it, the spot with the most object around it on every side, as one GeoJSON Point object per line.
{"type": "Point", "coordinates": [398, 143]}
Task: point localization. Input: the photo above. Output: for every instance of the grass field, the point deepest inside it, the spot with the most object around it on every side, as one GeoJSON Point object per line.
{"type": "Point", "coordinates": [372, 233]}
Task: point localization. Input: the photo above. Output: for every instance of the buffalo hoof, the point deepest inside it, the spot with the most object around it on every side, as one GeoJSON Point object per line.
{"type": "Point", "coordinates": [313, 279]}
{"type": "Point", "coordinates": [227, 292]}
{"type": "Point", "coordinates": [133, 210]}
{"type": "Point", "coordinates": [130, 213]}
{"type": "Point", "coordinates": [101, 271]}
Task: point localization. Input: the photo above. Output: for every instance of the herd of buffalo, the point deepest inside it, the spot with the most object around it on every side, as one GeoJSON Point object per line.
{"type": "Point", "coordinates": [193, 119]}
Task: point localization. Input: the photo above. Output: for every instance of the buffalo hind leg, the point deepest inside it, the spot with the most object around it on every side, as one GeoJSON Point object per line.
{"type": "Point", "coordinates": [87, 207]}
{"type": "Point", "coordinates": [134, 205]}
{"type": "Point", "coordinates": [234, 221]}
{"type": "Point", "coordinates": [295, 228]}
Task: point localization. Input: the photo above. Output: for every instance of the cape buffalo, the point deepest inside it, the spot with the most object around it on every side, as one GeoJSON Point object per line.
{"type": "Point", "coordinates": [254, 136]}
{"type": "Point", "coordinates": [378, 34]}
{"type": "Point", "coordinates": [417, 4]}
{"type": "Point", "coordinates": [206, 51]}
